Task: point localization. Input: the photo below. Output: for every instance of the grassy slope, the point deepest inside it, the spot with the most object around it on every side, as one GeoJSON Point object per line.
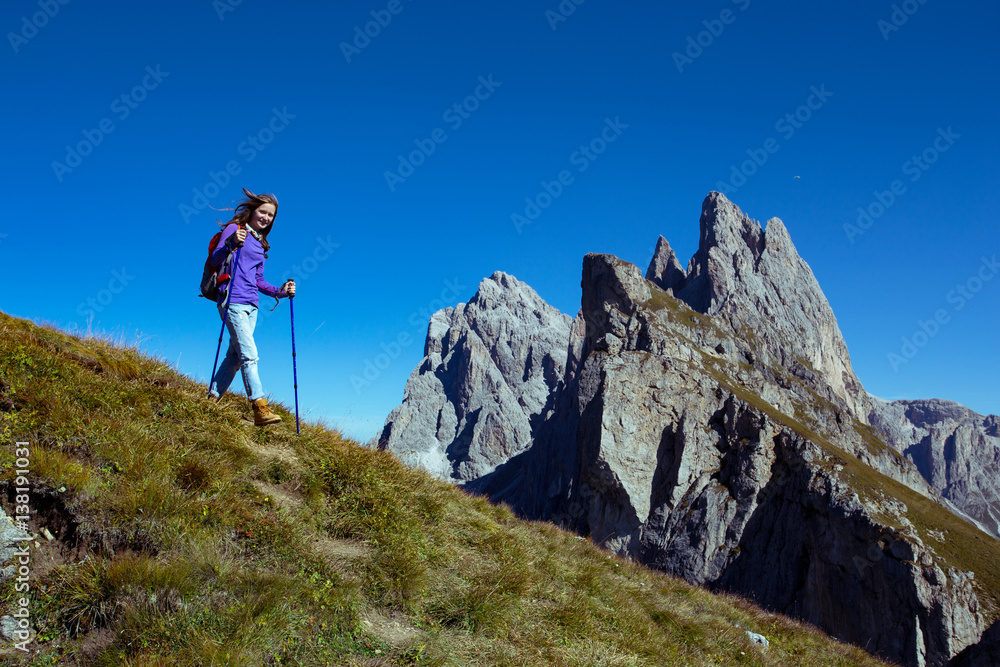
{"type": "Point", "coordinates": [188, 537]}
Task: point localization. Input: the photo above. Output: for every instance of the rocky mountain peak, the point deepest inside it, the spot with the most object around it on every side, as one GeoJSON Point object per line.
{"type": "Point", "coordinates": [485, 384]}
{"type": "Point", "coordinates": [664, 269]}
{"type": "Point", "coordinates": [754, 279]}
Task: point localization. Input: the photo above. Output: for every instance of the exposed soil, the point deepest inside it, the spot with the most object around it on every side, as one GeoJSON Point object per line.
{"type": "Point", "coordinates": [394, 629]}
{"type": "Point", "coordinates": [279, 453]}
{"type": "Point", "coordinates": [282, 496]}
{"type": "Point", "coordinates": [58, 540]}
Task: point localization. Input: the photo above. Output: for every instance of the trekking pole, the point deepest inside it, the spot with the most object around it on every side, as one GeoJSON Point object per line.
{"type": "Point", "coordinates": [229, 296]}
{"type": "Point", "coordinates": [295, 373]}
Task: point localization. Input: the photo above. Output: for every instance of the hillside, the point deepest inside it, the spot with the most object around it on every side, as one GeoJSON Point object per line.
{"type": "Point", "coordinates": [181, 535]}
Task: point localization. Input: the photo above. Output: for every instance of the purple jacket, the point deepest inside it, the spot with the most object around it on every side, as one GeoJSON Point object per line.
{"type": "Point", "coordinates": [249, 278]}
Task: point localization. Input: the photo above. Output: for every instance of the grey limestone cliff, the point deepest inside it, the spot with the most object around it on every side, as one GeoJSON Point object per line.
{"type": "Point", "coordinates": [753, 279]}
{"type": "Point", "coordinates": [707, 422]}
{"type": "Point", "coordinates": [490, 370]}
{"type": "Point", "coordinates": [955, 449]}
{"type": "Point", "coordinates": [727, 472]}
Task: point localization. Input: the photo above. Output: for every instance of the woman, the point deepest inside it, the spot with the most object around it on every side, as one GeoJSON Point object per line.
{"type": "Point", "coordinates": [247, 230]}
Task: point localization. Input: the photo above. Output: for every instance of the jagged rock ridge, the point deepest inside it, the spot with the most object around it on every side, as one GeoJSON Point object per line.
{"type": "Point", "coordinates": [730, 459]}
{"type": "Point", "coordinates": [753, 279]}
{"type": "Point", "coordinates": [485, 385]}
{"type": "Point", "coordinates": [698, 463]}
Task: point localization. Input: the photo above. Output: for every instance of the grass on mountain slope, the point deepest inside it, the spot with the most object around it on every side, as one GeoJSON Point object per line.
{"type": "Point", "coordinates": [182, 535]}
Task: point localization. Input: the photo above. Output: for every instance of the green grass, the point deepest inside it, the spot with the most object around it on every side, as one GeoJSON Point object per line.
{"type": "Point", "coordinates": [198, 539]}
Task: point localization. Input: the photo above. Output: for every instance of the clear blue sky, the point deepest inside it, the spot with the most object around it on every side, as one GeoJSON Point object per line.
{"type": "Point", "coordinates": [155, 98]}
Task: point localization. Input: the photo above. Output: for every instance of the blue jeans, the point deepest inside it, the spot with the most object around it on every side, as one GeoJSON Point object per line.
{"type": "Point", "coordinates": [242, 352]}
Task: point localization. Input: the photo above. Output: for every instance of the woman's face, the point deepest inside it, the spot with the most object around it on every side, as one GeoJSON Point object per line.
{"type": "Point", "coordinates": [263, 216]}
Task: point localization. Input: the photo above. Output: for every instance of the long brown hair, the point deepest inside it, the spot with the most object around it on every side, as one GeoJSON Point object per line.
{"type": "Point", "coordinates": [246, 208]}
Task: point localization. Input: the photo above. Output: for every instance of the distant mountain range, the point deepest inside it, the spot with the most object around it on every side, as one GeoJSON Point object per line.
{"type": "Point", "coordinates": [707, 421]}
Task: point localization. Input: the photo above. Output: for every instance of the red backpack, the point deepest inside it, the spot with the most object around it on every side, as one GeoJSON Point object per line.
{"type": "Point", "coordinates": [212, 277]}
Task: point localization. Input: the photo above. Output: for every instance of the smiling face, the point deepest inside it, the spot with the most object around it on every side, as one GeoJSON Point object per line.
{"type": "Point", "coordinates": [263, 217]}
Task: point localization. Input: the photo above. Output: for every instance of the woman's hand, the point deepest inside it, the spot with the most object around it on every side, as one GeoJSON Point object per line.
{"type": "Point", "coordinates": [289, 288]}
{"type": "Point", "coordinates": [241, 236]}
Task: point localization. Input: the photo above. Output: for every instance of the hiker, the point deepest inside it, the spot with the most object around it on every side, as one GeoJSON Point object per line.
{"type": "Point", "coordinates": [248, 228]}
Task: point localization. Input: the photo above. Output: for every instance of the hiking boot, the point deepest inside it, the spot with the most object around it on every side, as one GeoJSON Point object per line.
{"type": "Point", "coordinates": [262, 415]}
{"type": "Point", "coordinates": [212, 398]}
